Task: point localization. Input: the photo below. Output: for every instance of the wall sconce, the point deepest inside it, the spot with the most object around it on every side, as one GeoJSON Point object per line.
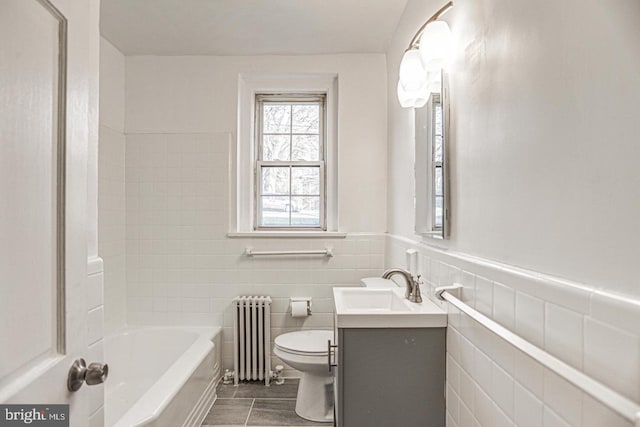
{"type": "Point", "coordinates": [422, 62]}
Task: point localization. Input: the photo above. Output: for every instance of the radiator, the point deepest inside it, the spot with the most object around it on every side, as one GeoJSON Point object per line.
{"type": "Point", "coordinates": [252, 338]}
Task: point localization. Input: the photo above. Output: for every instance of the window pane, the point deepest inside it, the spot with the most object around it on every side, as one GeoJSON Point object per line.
{"type": "Point", "coordinates": [290, 135]}
{"type": "Point", "coordinates": [276, 118]}
{"type": "Point", "coordinates": [437, 184]}
{"type": "Point", "coordinates": [438, 214]}
{"type": "Point", "coordinates": [437, 134]}
{"type": "Point", "coordinates": [306, 118]}
{"type": "Point", "coordinates": [437, 148]}
{"type": "Point", "coordinates": [306, 147]}
{"type": "Point", "coordinates": [305, 181]}
{"type": "Point", "coordinates": [438, 127]}
{"type": "Point", "coordinates": [275, 147]}
{"type": "Point", "coordinates": [275, 180]}
{"type": "Point", "coordinates": [275, 210]}
{"type": "Point", "coordinates": [305, 211]}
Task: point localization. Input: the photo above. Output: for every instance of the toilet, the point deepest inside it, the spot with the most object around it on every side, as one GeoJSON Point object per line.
{"type": "Point", "coordinates": [306, 351]}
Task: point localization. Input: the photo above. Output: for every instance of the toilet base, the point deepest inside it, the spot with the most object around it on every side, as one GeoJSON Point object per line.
{"type": "Point", "coordinates": [315, 398]}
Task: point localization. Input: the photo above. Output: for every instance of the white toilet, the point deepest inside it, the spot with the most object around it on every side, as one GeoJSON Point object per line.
{"type": "Point", "coordinates": [306, 351]}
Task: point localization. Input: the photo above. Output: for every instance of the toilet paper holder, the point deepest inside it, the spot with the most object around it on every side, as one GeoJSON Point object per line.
{"type": "Point", "coordinates": [306, 300]}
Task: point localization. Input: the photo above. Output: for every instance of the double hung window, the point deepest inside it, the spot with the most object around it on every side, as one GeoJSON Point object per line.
{"type": "Point", "coordinates": [437, 180]}
{"type": "Point", "coordinates": [290, 165]}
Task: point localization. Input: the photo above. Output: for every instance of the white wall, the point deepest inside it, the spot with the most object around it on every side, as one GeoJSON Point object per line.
{"type": "Point", "coordinates": [543, 179]}
{"type": "Point", "coordinates": [544, 99]}
{"type": "Point", "coordinates": [111, 184]}
{"type": "Point", "coordinates": [190, 94]}
{"type": "Point", "coordinates": [181, 120]}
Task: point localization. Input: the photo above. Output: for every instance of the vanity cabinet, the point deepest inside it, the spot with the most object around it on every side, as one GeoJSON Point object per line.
{"type": "Point", "coordinates": [390, 377]}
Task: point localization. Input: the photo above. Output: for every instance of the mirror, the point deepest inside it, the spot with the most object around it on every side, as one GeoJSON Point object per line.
{"type": "Point", "coordinates": [432, 212]}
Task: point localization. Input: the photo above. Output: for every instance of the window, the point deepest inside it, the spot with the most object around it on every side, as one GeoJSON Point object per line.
{"type": "Point", "coordinates": [437, 181]}
{"type": "Point", "coordinates": [290, 161]}
{"type": "Point", "coordinates": [287, 208]}
{"type": "Point", "coordinates": [431, 184]}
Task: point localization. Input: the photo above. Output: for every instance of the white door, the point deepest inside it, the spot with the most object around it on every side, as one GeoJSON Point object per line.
{"type": "Point", "coordinates": [44, 129]}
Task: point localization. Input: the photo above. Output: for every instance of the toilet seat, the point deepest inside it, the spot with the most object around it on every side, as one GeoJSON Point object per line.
{"type": "Point", "coordinates": [311, 343]}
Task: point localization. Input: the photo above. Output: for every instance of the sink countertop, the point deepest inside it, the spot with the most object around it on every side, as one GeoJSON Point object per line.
{"type": "Point", "coordinates": [384, 308]}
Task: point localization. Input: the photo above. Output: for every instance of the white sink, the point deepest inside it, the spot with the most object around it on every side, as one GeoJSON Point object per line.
{"type": "Point", "coordinates": [384, 308]}
{"type": "Point", "coordinates": [354, 300]}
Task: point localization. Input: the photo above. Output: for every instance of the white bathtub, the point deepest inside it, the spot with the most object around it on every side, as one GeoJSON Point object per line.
{"type": "Point", "coordinates": [161, 376]}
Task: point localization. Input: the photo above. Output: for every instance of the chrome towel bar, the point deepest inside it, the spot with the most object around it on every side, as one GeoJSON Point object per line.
{"type": "Point", "coordinates": [325, 252]}
{"type": "Point", "coordinates": [612, 399]}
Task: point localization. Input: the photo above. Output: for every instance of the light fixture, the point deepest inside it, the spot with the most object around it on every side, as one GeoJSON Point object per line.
{"type": "Point", "coordinates": [435, 45]}
{"type": "Point", "coordinates": [412, 75]}
{"type": "Point", "coordinates": [413, 98]}
{"type": "Point", "coordinates": [426, 56]}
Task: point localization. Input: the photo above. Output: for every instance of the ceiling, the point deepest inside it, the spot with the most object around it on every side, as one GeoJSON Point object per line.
{"type": "Point", "coordinates": [249, 27]}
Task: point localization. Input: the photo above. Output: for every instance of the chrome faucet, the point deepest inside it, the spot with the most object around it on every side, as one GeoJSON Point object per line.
{"type": "Point", "coordinates": [413, 284]}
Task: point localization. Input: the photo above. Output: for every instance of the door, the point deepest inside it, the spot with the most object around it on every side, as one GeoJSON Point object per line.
{"type": "Point", "coordinates": [44, 137]}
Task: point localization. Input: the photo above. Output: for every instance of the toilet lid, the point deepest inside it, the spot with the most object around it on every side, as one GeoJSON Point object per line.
{"type": "Point", "coordinates": [305, 341]}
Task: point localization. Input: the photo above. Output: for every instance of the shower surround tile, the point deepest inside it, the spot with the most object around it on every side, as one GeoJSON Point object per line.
{"type": "Point", "coordinates": [183, 269]}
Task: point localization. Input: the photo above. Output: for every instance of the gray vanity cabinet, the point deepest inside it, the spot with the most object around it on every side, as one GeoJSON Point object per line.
{"type": "Point", "coordinates": [390, 377]}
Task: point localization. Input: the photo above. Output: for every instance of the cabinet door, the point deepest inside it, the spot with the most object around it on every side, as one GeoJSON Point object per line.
{"type": "Point", "coordinates": [391, 377]}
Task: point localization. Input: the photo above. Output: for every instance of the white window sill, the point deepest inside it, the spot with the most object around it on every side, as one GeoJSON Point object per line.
{"type": "Point", "coordinates": [290, 234]}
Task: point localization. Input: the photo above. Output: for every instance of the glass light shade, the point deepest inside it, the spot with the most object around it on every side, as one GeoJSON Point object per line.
{"type": "Point", "coordinates": [412, 73]}
{"type": "Point", "coordinates": [413, 99]}
{"type": "Point", "coordinates": [434, 81]}
{"type": "Point", "coordinates": [435, 45]}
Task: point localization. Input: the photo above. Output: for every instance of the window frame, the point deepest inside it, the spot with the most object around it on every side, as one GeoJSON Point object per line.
{"type": "Point", "coordinates": [427, 166]}
{"type": "Point", "coordinates": [242, 150]}
{"type": "Point", "coordinates": [258, 162]}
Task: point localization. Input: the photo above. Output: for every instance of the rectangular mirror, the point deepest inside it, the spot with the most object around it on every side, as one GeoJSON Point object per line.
{"type": "Point", "coordinates": [431, 169]}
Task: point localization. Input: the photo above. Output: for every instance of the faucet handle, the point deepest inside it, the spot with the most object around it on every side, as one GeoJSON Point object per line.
{"type": "Point", "coordinates": [416, 295]}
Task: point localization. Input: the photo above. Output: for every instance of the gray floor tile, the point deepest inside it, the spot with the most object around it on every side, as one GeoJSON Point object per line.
{"type": "Point", "coordinates": [288, 390]}
{"type": "Point", "coordinates": [277, 412]}
{"type": "Point", "coordinates": [228, 412]}
{"type": "Point", "coordinates": [226, 391]}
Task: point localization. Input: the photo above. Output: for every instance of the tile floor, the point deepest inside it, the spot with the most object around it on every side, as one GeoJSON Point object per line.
{"type": "Point", "coordinates": [253, 404]}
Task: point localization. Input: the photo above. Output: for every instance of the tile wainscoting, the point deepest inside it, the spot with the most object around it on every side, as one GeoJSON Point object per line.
{"type": "Point", "coordinates": [95, 333]}
{"type": "Point", "coordinates": [490, 383]}
{"type": "Point", "coordinates": [183, 269]}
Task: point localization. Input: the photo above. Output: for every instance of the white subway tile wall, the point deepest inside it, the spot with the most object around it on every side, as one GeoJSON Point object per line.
{"type": "Point", "coordinates": [107, 281]}
{"type": "Point", "coordinates": [95, 342]}
{"type": "Point", "coordinates": [111, 223]}
{"type": "Point", "coordinates": [182, 269]}
{"type": "Point", "coordinates": [96, 393]}
{"type": "Point", "coordinates": [489, 382]}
